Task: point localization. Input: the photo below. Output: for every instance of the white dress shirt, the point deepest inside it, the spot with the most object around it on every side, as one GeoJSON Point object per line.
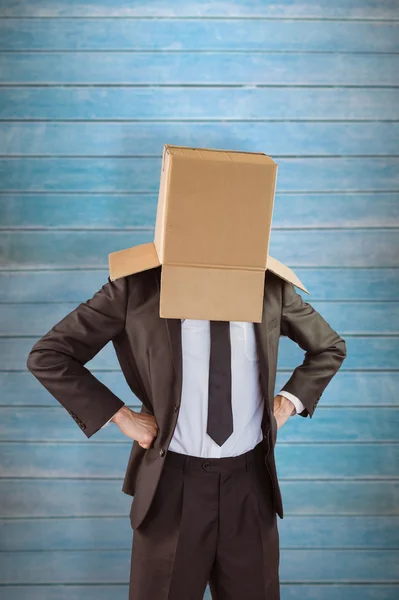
{"type": "Point", "coordinates": [190, 436]}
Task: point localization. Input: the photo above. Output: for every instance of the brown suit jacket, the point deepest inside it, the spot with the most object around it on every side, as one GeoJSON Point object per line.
{"type": "Point", "coordinates": [149, 352]}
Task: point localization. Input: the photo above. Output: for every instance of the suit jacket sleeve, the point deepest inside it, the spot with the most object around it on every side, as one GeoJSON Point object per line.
{"type": "Point", "coordinates": [57, 359]}
{"type": "Point", "coordinates": [324, 349]}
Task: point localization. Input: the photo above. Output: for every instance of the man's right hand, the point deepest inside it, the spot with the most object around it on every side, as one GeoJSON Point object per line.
{"type": "Point", "coordinates": [137, 426]}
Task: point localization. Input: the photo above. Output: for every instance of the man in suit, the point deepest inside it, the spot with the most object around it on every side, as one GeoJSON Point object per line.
{"type": "Point", "coordinates": [202, 475]}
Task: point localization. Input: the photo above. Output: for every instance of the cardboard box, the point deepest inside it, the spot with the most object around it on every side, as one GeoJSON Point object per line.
{"type": "Point", "coordinates": [212, 235]}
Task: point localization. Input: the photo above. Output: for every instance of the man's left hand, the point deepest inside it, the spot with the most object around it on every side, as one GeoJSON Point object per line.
{"type": "Point", "coordinates": [282, 409]}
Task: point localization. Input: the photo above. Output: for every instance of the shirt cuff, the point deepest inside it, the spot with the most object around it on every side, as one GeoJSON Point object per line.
{"type": "Point", "coordinates": [299, 407]}
{"type": "Point", "coordinates": [109, 420]}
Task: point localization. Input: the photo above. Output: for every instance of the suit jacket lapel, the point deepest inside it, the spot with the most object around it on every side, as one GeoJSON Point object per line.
{"type": "Point", "coordinates": [260, 330]}
{"type": "Point", "coordinates": [173, 327]}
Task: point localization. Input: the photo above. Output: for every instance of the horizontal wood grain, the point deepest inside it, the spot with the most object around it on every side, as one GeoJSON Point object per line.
{"type": "Point", "coordinates": [343, 424]}
{"type": "Point", "coordinates": [363, 352]}
{"type": "Point", "coordinates": [124, 139]}
{"type": "Point", "coordinates": [71, 567]}
{"type": "Point", "coordinates": [54, 497]}
{"type": "Point", "coordinates": [219, 102]}
{"type": "Point", "coordinates": [114, 533]}
{"type": "Point", "coordinates": [120, 591]}
{"type": "Point", "coordinates": [307, 248]}
{"type": "Point", "coordinates": [351, 318]}
{"type": "Point", "coordinates": [89, 93]}
{"type": "Point", "coordinates": [198, 34]}
{"type": "Point", "coordinates": [112, 566]}
{"type": "Point", "coordinates": [21, 389]}
{"type": "Point", "coordinates": [109, 211]}
{"type": "Point", "coordinates": [350, 9]}
{"type": "Point", "coordinates": [141, 174]}
{"type": "Point", "coordinates": [206, 68]}
{"type": "Point", "coordinates": [95, 459]}
{"type": "Point", "coordinates": [347, 388]}
{"type": "Point", "coordinates": [77, 592]}
{"type": "Point", "coordinates": [360, 284]}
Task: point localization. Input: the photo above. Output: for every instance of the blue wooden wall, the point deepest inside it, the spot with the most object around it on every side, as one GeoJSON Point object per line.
{"type": "Point", "coordinates": [89, 93]}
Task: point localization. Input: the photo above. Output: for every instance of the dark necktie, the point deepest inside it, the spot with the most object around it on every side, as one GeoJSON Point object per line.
{"type": "Point", "coordinates": [220, 413]}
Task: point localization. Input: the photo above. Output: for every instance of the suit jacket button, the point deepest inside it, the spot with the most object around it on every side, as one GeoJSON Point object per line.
{"type": "Point", "coordinates": [176, 408]}
{"type": "Point", "coordinates": [83, 426]}
{"type": "Point", "coordinates": [162, 452]}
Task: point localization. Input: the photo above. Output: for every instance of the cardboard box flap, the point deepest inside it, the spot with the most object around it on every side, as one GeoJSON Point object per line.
{"type": "Point", "coordinates": [132, 260]}
{"type": "Point", "coordinates": [143, 257]}
{"type": "Point", "coordinates": [284, 272]}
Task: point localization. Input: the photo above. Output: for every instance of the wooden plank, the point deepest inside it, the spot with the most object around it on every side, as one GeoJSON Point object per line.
{"type": "Point", "coordinates": [92, 211]}
{"type": "Point", "coordinates": [114, 533]}
{"type": "Point", "coordinates": [310, 248]}
{"type": "Point", "coordinates": [23, 498]}
{"type": "Point", "coordinates": [233, 103]}
{"type": "Point", "coordinates": [141, 174]}
{"type": "Point", "coordinates": [48, 424]}
{"type": "Point", "coordinates": [75, 592]}
{"type": "Point", "coordinates": [120, 592]}
{"type": "Point", "coordinates": [22, 389]}
{"type": "Point", "coordinates": [337, 461]}
{"type": "Point", "coordinates": [206, 68]}
{"type": "Point", "coordinates": [347, 388]}
{"type": "Point", "coordinates": [336, 532]}
{"type": "Point", "coordinates": [364, 353]}
{"type": "Point", "coordinates": [345, 9]}
{"type": "Point", "coordinates": [328, 566]}
{"type": "Point", "coordinates": [334, 283]}
{"type": "Point", "coordinates": [198, 34]}
{"type": "Point", "coordinates": [124, 211]}
{"type": "Point", "coordinates": [125, 139]}
{"type": "Point", "coordinates": [94, 459]}
{"type": "Point", "coordinates": [45, 424]}
{"type": "Point", "coordinates": [359, 426]}
{"type": "Point", "coordinates": [70, 567]}
{"type": "Point", "coordinates": [351, 498]}
{"type": "Point", "coordinates": [351, 318]}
